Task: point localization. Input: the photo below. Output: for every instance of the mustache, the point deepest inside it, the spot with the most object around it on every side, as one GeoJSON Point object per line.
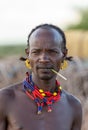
{"type": "Point", "coordinates": [44, 66]}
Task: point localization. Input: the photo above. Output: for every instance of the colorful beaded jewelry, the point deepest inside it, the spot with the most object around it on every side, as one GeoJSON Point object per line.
{"type": "Point", "coordinates": [41, 97]}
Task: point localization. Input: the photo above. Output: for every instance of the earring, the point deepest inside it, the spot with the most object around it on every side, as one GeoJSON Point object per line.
{"type": "Point", "coordinates": [27, 63]}
{"type": "Point", "coordinates": [64, 64]}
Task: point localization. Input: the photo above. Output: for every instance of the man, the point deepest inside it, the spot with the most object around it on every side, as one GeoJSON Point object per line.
{"type": "Point", "coordinates": [39, 103]}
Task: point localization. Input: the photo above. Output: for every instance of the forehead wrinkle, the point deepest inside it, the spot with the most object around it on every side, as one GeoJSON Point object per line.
{"type": "Point", "coordinates": [45, 47]}
{"type": "Point", "coordinates": [46, 32]}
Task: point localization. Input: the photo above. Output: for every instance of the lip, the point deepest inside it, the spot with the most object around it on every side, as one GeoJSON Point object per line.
{"type": "Point", "coordinates": [44, 67]}
{"type": "Point", "coordinates": [45, 70]}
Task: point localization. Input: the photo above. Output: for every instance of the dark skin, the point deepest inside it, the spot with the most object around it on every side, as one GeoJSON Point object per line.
{"type": "Point", "coordinates": [19, 112]}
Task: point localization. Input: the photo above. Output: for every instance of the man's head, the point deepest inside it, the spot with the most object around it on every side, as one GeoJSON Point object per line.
{"type": "Point", "coordinates": [46, 50]}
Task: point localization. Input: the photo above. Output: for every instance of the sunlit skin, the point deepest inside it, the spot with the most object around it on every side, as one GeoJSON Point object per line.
{"type": "Point", "coordinates": [19, 112]}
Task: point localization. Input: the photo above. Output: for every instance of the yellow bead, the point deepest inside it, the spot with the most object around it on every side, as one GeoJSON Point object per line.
{"type": "Point", "coordinates": [54, 93]}
{"type": "Point", "coordinates": [43, 94]}
{"type": "Point", "coordinates": [60, 88]}
{"type": "Point", "coordinates": [64, 65]}
{"type": "Point", "coordinates": [41, 90]}
{"type": "Point", "coordinates": [27, 63]}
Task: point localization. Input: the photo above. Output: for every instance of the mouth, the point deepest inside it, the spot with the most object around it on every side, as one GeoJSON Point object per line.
{"type": "Point", "coordinates": [44, 66]}
{"type": "Point", "coordinates": [45, 69]}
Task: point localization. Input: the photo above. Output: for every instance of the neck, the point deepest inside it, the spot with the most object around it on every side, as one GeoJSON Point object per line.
{"type": "Point", "coordinates": [46, 85]}
{"type": "Point", "coordinates": [42, 97]}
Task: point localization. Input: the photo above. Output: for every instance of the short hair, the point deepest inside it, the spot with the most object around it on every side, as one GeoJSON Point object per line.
{"type": "Point", "coordinates": [49, 26]}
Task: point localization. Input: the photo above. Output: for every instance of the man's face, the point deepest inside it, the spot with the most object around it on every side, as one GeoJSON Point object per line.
{"type": "Point", "coordinates": [45, 52]}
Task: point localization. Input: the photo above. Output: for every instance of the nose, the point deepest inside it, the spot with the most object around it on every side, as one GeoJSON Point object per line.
{"type": "Point", "coordinates": [44, 58]}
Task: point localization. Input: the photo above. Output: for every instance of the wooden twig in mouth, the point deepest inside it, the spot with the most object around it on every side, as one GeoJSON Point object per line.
{"type": "Point", "coordinates": [59, 74]}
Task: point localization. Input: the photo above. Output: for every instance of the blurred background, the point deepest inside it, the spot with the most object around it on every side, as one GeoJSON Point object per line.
{"type": "Point", "coordinates": [18, 17]}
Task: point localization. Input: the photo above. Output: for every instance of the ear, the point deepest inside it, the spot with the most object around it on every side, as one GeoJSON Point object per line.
{"type": "Point", "coordinates": [27, 51]}
{"type": "Point", "coordinates": [65, 53]}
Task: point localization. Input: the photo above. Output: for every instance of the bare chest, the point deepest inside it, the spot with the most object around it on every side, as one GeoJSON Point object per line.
{"type": "Point", "coordinates": [23, 116]}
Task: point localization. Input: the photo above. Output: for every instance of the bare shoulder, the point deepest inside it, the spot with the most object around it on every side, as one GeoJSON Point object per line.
{"type": "Point", "coordinates": [8, 94]}
{"type": "Point", "coordinates": [76, 109]}
{"type": "Point", "coordinates": [9, 91]}
{"type": "Point", "coordinates": [73, 101]}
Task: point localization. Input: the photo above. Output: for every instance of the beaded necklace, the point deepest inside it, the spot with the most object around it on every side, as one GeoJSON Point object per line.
{"type": "Point", "coordinates": [41, 97]}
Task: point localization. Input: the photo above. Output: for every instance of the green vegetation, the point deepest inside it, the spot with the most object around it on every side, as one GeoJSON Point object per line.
{"type": "Point", "coordinates": [83, 23]}
{"type": "Point", "coordinates": [9, 50]}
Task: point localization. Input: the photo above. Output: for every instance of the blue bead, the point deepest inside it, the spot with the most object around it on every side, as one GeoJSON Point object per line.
{"type": "Point", "coordinates": [36, 100]}
{"type": "Point", "coordinates": [39, 108]}
{"type": "Point", "coordinates": [44, 100]}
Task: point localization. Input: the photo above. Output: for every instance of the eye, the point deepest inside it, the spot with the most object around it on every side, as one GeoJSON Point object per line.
{"type": "Point", "coordinates": [53, 52]}
{"type": "Point", "coordinates": [35, 52]}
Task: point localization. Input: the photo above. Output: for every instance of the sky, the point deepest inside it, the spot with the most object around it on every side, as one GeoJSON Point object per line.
{"type": "Point", "coordinates": [18, 17]}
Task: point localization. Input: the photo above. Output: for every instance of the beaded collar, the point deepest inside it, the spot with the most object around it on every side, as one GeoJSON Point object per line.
{"type": "Point", "coordinates": [41, 97]}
